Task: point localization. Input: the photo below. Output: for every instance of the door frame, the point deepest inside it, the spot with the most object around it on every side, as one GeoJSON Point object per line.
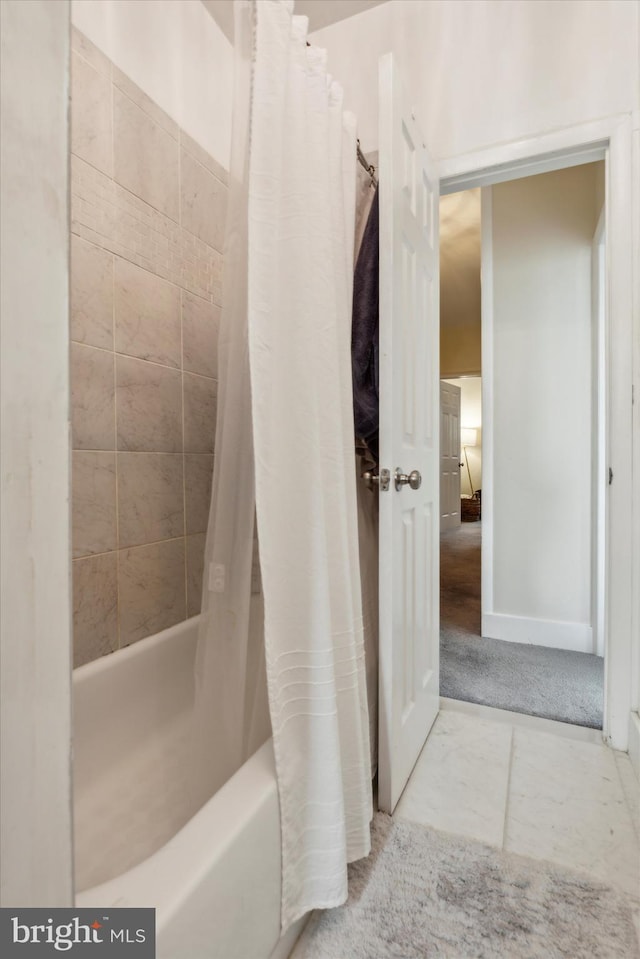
{"type": "Point", "coordinates": [609, 139]}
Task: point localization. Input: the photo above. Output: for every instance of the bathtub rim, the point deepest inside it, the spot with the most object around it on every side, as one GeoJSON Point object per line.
{"type": "Point", "coordinates": [134, 650]}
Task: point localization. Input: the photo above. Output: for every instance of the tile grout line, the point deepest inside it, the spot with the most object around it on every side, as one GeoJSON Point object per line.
{"type": "Point", "coordinates": [184, 456]}
{"type": "Point", "coordinates": [115, 365]}
{"type": "Point", "coordinates": [125, 549]}
{"type": "Point", "coordinates": [506, 805]}
{"type": "Point", "coordinates": [115, 443]}
{"type": "Point", "coordinates": [142, 359]}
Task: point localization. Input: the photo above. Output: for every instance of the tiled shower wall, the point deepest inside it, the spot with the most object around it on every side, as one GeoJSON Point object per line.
{"type": "Point", "coordinates": [147, 219]}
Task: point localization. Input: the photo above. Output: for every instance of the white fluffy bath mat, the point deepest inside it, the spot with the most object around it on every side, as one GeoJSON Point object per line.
{"type": "Point", "coordinates": [422, 894]}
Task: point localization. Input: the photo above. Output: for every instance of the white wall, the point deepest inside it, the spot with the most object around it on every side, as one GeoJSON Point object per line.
{"type": "Point", "coordinates": [176, 53]}
{"type": "Point", "coordinates": [35, 698]}
{"type": "Point", "coordinates": [485, 71]}
{"type": "Point", "coordinates": [470, 417]}
{"type": "Point", "coordinates": [542, 231]}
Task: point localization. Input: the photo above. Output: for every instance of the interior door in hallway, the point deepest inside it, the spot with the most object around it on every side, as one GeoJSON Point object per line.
{"type": "Point", "coordinates": [409, 440]}
{"type": "Point", "coordinates": [449, 456]}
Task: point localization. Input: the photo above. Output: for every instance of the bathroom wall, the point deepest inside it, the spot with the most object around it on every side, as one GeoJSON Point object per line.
{"type": "Point", "coordinates": [148, 209]}
{"type": "Point", "coordinates": [482, 72]}
{"type": "Point", "coordinates": [35, 608]}
{"type": "Point", "coordinates": [174, 51]}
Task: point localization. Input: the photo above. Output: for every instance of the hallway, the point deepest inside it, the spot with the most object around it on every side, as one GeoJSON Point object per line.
{"type": "Point", "coordinates": [551, 683]}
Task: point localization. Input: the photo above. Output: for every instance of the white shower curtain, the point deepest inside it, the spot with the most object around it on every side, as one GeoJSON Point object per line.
{"type": "Point", "coordinates": [285, 392]}
{"type": "Point", "coordinates": [230, 654]}
{"type": "Point", "coordinates": [301, 236]}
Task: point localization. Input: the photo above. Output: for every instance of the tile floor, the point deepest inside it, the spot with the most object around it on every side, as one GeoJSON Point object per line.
{"type": "Point", "coordinates": [541, 789]}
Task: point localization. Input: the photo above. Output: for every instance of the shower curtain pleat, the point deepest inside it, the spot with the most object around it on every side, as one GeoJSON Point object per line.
{"type": "Point", "coordinates": [300, 231]}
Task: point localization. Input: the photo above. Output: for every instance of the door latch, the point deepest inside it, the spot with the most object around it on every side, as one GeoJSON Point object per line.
{"type": "Point", "coordinates": [382, 480]}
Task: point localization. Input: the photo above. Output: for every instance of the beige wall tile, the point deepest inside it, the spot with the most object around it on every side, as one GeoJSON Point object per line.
{"type": "Point", "coordinates": [105, 213]}
{"type": "Point", "coordinates": [195, 568]}
{"type": "Point", "coordinates": [198, 472]}
{"type": "Point", "coordinates": [92, 398]}
{"type": "Point", "coordinates": [147, 315]}
{"type": "Point", "coordinates": [151, 581]}
{"type": "Point", "coordinates": [200, 154]}
{"type": "Point", "coordinates": [200, 404]}
{"type": "Point", "coordinates": [91, 126]}
{"type": "Point", "coordinates": [150, 497]}
{"type": "Point", "coordinates": [91, 294]}
{"type": "Point", "coordinates": [145, 156]}
{"type": "Point", "coordinates": [200, 330]}
{"type": "Point", "coordinates": [88, 51]}
{"type": "Point", "coordinates": [94, 502]}
{"type": "Point", "coordinates": [128, 87]}
{"type": "Point", "coordinates": [149, 402]}
{"type": "Point", "coordinates": [203, 202]}
{"type": "Point", "coordinates": [95, 604]}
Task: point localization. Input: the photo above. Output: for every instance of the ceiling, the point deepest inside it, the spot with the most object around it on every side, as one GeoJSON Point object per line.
{"type": "Point", "coordinates": [320, 12]}
{"type": "Point", "coordinates": [460, 259]}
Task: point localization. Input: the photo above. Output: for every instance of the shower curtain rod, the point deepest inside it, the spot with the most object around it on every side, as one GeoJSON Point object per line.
{"type": "Point", "coordinates": [369, 167]}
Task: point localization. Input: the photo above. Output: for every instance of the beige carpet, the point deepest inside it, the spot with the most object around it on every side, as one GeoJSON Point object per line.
{"type": "Point", "coordinates": [423, 894]}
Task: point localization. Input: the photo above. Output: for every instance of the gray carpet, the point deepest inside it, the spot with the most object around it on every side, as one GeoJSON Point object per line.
{"type": "Point", "coordinates": [423, 894]}
{"type": "Point", "coordinates": [552, 683]}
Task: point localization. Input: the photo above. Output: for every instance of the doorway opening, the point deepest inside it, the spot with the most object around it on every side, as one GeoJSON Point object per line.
{"type": "Point", "coordinates": [523, 443]}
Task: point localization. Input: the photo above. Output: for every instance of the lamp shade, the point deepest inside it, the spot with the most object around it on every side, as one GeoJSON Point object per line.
{"type": "Point", "coordinates": [468, 437]}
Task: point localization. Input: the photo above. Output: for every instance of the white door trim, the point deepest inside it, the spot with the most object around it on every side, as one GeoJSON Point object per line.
{"type": "Point", "coordinates": [488, 413]}
{"type": "Point", "coordinates": [599, 459]}
{"type": "Point", "coordinates": [609, 138]}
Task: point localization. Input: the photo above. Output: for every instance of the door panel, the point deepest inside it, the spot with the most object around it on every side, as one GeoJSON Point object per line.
{"type": "Point", "coordinates": [409, 439]}
{"type": "Point", "coordinates": [449, 456]}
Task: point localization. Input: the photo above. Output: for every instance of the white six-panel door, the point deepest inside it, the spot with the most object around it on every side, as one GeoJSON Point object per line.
{"type": "Point", "coordinates": [449, 456]}
{"type": "Point", "coordinates": [409, 440]}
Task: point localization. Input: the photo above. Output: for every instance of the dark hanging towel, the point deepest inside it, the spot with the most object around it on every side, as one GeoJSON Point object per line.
{"type": "Point", "coordinates": [364, 335]}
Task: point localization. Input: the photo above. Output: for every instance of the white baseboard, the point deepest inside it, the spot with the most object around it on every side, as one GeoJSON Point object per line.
{"type": "Point", "coordinates": [538, 632]}
{"type": "Point", "coordinates": [634, 742]}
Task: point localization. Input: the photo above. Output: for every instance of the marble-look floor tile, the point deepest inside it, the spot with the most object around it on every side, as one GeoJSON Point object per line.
{"type": "Point", "coordinates": [566, 805]}
{"type": "Point", "coordinates": [459, 784]}
{"type": "Point", "coordinates": [630, 788]}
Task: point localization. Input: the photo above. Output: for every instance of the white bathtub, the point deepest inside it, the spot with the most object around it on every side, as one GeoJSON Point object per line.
{"type": "Point", "coordinates": [209, 866]}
